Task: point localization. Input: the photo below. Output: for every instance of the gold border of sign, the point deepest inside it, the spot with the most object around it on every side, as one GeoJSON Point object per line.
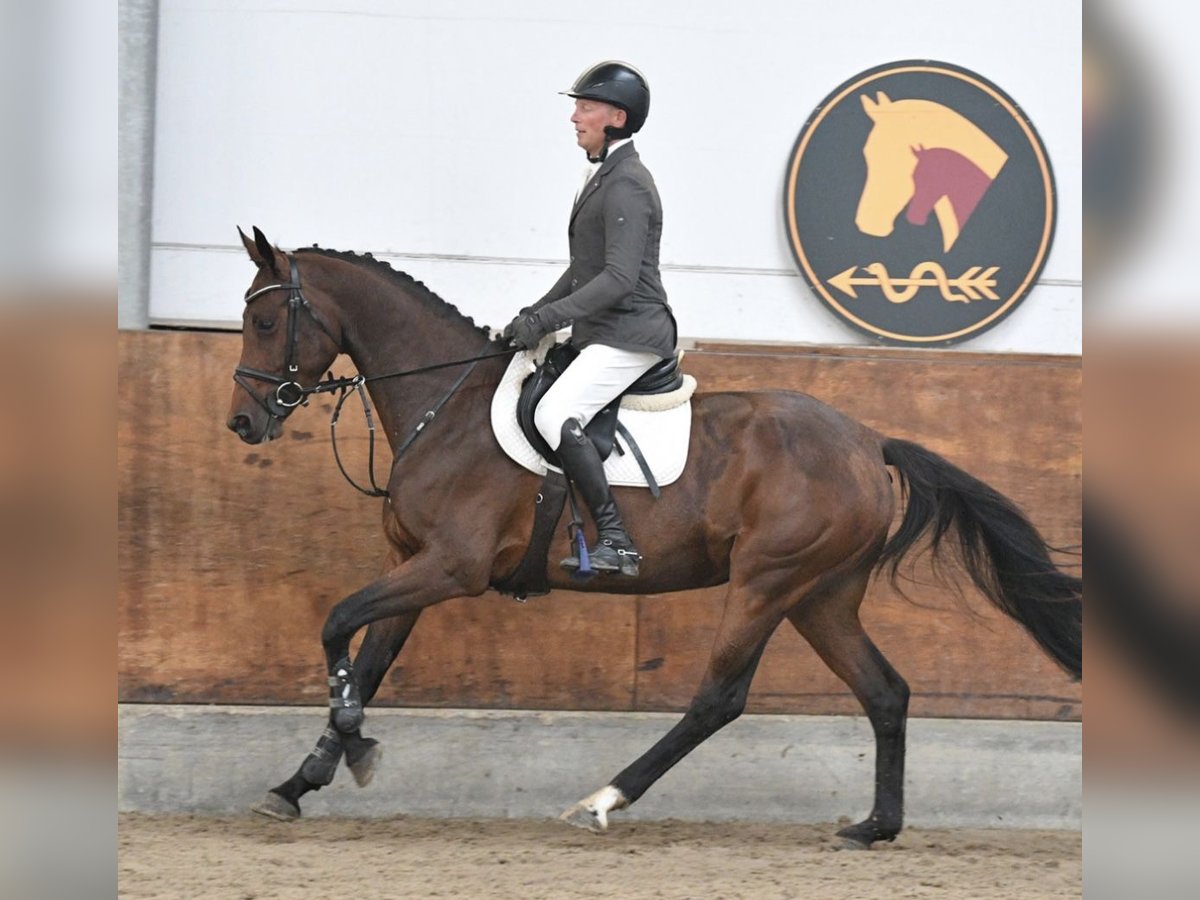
{"type": "Point", "coordinates": [1047, 183]}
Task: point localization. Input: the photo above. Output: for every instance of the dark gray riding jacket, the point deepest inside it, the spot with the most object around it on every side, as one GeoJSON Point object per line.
{"type": "Point", "coordinates": [612, 292]}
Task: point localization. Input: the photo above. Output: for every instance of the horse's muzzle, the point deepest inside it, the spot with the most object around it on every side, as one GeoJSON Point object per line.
{"type": "Point", "coordinates": [243, 426]}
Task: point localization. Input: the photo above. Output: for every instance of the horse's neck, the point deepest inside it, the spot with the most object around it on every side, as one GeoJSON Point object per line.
{"type": "Point", "coordinates": [965, 185]}
{"type": "Point", "coordinates": [946, 128]}
{"type": "Point", "coordinates": [945, 173]}
{"type": "Point", "coordinates": [386, 330]}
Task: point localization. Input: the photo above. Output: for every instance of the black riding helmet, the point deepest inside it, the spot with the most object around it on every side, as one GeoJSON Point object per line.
{"type": "Point", "coordinates": [620, 84]}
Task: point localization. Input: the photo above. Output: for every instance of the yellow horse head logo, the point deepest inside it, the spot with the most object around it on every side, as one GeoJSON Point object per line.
{"type": "Point", "coordinates": [923, 156]}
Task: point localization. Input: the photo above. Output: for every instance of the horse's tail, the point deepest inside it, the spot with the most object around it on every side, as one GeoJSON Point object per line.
{"type": "Point", "coordinates": [997, 545]}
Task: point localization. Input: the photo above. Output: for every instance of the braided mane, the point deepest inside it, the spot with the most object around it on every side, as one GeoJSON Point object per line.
{"type": "Point", "coordinates": [404, 281]}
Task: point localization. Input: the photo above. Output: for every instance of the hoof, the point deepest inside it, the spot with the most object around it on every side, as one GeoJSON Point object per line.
{"type": "Point", "coordinates": [274, 806]}
{"type": "Point", "coordinates": [589, 819]}
{"type": "Point", "coordinates": [362, 767]}
{"type": "Point", "coordinates": [592, 812]}
{"type": "Point", "coordinates": [862, 835]}
{"type": "Point", "coordinates": [849, 843]}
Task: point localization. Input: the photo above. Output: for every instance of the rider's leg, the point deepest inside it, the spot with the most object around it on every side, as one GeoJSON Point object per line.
{"type": "Point", "coordinates": [614, 550]}
{"type": "Point", "coordinates": [597, 375]}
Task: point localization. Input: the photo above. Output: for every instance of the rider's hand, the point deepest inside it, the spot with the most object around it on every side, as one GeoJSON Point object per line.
{"type": "Point", "coordinates": [507, 333]}
{"type": "Point", "coordinates": [526, 330]}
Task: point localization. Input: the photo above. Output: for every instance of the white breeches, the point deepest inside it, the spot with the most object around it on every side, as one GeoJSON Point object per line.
{"type": "Point", "coordinates": [597, 375]}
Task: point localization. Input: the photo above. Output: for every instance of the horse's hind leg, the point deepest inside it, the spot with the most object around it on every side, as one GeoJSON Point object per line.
{"type": "Point", "coordinates": [831, 625]}
{"type": "Point", "coordinates": [741, 638]}
{"type": "Point", "coordinates": [381, 645]}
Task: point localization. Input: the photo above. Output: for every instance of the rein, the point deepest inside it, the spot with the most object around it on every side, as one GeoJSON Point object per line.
{"type": "Point", "coordinates": [346, 385]}
{"type": "Point", "coordinates": [289, 393]}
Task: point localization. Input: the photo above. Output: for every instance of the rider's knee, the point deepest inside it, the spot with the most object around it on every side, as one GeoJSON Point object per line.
{"type": "Point", "coordinates": [550, 423]}
{"type": "Point", "coordinates": [571, 432]}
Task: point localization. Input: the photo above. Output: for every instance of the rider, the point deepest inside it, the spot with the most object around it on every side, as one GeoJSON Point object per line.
{"type": "Point", "coordinates": [611, 294]}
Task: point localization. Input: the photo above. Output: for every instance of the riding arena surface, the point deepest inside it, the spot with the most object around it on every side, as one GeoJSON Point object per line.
{"type": "Point", "coordinates": [248, 858]}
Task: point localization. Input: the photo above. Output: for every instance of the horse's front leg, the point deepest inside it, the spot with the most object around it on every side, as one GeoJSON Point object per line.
{"type": "Point", "coordinates": [422, 581]}
{"type": "Point", "coordinates": [383, 642]}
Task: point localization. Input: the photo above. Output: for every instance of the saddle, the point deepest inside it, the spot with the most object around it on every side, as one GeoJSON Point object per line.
{"type": "Point", "coordinates": [661, 378]}
{"type": "Point", "coordinates": [657, 407]}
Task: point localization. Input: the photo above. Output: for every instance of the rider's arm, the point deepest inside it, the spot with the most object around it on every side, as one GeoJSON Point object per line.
{"type": "Point", "coordinates": [561, 288]}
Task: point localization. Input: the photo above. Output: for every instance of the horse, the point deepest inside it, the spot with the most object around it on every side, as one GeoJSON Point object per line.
{"type": "Point", "coordinates": [903, 131]}
{"type": "Point", "coordinates": [783, 498]}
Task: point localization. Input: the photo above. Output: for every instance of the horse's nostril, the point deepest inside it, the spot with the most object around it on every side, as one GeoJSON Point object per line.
{"type": "Point", "coordinates": [240, 425]}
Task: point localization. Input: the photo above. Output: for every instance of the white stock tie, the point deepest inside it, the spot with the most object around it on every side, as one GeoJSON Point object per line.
{"type": "Point", "coordinates": [589, 170]}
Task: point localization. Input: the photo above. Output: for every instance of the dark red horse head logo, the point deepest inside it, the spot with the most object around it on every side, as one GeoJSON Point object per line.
{"type": "Point", "coordinates": [923, 156]}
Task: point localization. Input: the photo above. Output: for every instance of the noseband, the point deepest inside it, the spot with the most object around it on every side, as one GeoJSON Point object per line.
{"type": "Point", "coordinates": [288, 393]}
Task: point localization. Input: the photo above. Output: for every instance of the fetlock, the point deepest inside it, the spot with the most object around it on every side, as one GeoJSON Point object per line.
{"type": "Point", "coordinates": [345, 701]}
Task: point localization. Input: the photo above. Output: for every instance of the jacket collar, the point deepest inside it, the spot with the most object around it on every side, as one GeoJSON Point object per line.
{"type": "Point", "coordinates": [622, 153]}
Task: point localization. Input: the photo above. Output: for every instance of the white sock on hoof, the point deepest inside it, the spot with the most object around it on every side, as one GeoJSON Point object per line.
{"type": "Point", "coordinates": [598, 806]}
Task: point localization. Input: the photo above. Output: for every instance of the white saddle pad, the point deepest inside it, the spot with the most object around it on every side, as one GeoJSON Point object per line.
{"type": "Point", "coordinates": [661, 434]}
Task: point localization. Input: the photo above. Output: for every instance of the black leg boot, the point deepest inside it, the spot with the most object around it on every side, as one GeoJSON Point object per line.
{"type": "Point", "coordinates": [614, 551]}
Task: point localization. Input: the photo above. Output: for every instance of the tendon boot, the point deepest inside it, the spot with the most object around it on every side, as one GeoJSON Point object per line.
{"type": "Point", "coordinates": [614, 550]}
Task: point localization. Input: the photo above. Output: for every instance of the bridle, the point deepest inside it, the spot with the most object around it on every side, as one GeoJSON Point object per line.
{"type": "Point", "coordinates": [289, 393]}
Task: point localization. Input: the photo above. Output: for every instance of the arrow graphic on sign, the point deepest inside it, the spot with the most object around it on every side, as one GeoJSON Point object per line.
{"type": "Point", "coordinates": [972, 284]}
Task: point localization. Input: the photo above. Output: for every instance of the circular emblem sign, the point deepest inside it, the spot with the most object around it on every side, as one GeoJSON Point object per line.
{"type": "Point", "coordinates": [919, 203]}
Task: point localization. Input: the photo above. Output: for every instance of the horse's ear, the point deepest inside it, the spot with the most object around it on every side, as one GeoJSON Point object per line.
{"type": "Point", "coordinates": [250, 248]}
{"type": "Point", "coordinates": [262, 253]}
{"type": "Point", "coordinates": [869, 106]}
{"type": "Point", "coordinates": [883, 99]}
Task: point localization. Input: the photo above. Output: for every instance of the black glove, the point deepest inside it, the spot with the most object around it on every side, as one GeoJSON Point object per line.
{"type": "Point", "coordinates": [526, 331]}
{"type": "Point", "coordinates": [507, 333]}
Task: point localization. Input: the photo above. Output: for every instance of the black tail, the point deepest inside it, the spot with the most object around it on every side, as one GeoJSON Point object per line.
{"type": "Point", "coordinates": [999, 548]}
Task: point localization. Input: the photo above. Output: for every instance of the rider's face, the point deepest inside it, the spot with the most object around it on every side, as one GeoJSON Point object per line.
{"type": "Point", "coordinates": [590, 118]}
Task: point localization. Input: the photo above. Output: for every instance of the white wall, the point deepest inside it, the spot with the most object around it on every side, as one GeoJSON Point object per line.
{"type": "Point", "coordinates": [431, 134]}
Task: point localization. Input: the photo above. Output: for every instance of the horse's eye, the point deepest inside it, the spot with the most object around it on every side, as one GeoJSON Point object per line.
{"type": "Point", "coordinates": [264, 324]}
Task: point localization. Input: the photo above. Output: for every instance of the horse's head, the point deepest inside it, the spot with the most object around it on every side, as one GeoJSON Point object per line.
{"type": "Point", "coordinates": [890, 165]}
{"type": "Point", "coordinates": [287, 343]}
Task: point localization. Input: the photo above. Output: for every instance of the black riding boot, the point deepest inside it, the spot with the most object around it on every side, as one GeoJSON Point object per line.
{"type": "Point", "coordinates": [614, 551]}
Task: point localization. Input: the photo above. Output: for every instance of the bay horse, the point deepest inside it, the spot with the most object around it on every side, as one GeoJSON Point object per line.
{"type": "Point", "coordinates": [783, 498]}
